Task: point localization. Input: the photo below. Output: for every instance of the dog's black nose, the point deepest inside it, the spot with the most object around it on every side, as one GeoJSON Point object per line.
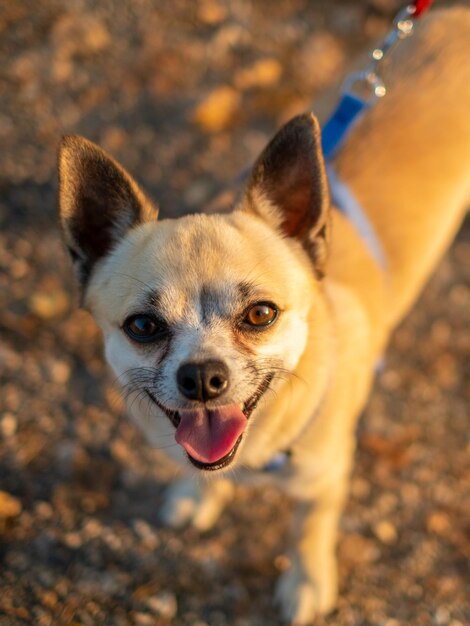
{"type": "Point", "coordinates": [202, 381]}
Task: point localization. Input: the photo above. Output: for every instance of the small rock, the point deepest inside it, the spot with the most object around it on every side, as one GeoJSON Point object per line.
{"type": "Point", "coordinates": [19, 268]}
{"type": "Point", "coordinates": [146, 533]}
{"type": "Point", "coordinates": [9, 506]}
{"type": "Point", "coordinates": [358, 549]}
{"type": "Point", "coordinates": [8, 425]}
{"type": "Point", "coordinates": [49, 599]}
{"type": "Point", "coordinates": [96, 35]}
{"type": "Point", "coordinates": [73, 540]}
{"type": "Point", "coordinates": [92, 528]}
{"type": "Point", "coordinates": [410, 493]}
{"type": "Point", "coordinates": [60, 372]}
{"type": "Point", "coordinates": [282, 563]}
{"type": "Point", "coordinates": [262, 73]}
{"type": "Point", "coordinates": [43, 510]}
{"type": "Point", "coordinates": [385, 531]}
{"type": "Point", "coordinates": [163, 604]}
{"type": "Point", "coordinates": [386, 503]}
{"type": "Point", "coordinates": [438, 522]}
{"type": "Point", "coordinates": [211, 12]}
{"type": "Point", "coordinates": [446, 371]}
{"type": "Point", "coordinates": [441, 616]}
{"type": "Point", "coordinates": [144, 619]}
{"type": "Point", "coordinates": [391, 380]}
{"type": "Point", "coordinates": [441, 333]}
{"type": "Point", "coordinates": [360, 488]}
{"type": "Point", "coordinates": [49, 305]}
{"type": "Point", "coordinates": [218, 109]}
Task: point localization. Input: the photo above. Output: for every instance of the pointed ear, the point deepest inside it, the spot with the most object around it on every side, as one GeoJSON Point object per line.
{"type": "Point", "coordinates": [98, 203]}
{"type": "Point", "coordinates": [288, 187]}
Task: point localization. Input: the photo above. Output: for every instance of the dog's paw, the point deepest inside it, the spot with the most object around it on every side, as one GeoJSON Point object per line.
{"type": "Point", "coordinates": [300, 596]}
{"type": "Point", "coordinates": [185, 503]}
{"type": "Point", "coordinates": [179, 503]}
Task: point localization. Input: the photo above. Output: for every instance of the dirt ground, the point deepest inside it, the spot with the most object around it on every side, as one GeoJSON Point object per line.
{"type": "Point", "coordinates": [185, 95]}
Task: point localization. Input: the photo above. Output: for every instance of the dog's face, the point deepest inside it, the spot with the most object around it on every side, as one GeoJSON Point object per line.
{"type": "Point", "coordinates": [204, 315]}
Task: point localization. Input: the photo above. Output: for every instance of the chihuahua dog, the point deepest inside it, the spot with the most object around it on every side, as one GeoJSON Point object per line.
{"type": "Point", "coordinates": [253, 335]}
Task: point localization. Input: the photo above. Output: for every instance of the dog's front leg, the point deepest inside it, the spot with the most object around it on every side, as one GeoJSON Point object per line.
{"type": "Point", "coordinates": [190, 501]}
{"type": "Point", "coordinates": [310, 585]}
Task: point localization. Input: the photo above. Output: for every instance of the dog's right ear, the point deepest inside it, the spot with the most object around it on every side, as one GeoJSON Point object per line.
{"type": "Point", "coordinates": [288, 187]}
{"type": "Point", "coordinates": [99, 203]}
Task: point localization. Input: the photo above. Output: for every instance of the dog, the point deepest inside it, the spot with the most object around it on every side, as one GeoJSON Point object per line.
{"type": "Point", "coordinates": [253, 335]}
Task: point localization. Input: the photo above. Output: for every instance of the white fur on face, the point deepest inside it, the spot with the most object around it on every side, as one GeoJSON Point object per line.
{"type": "Point", "coordinates": [190, 272]}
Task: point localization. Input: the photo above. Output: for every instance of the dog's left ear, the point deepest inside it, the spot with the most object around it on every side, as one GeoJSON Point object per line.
{"type": "Point", "coordinates": [288, 187]}
{"type": "Point", "coordinates": [99, 202]}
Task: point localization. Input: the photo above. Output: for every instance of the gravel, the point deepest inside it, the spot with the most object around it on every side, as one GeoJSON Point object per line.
{"type": "Point", "coordinates": [80, 490]}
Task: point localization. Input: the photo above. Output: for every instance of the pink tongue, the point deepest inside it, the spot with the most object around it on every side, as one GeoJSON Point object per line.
{"type": "Point", "coordinates": [209, 434]}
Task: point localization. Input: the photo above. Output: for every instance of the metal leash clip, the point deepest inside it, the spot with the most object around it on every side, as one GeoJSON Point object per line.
{"type": "Point", "coordinates": [362, 89]}
{"type": "Point", "coordinates": [368, 81]}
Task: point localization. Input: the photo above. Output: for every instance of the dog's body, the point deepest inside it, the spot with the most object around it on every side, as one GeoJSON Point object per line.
{"type": "Point", "coordinates": [242, 293]}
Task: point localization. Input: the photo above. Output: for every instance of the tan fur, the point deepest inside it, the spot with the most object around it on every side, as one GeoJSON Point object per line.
{"type": "Point", "coordinates": [408, 164]}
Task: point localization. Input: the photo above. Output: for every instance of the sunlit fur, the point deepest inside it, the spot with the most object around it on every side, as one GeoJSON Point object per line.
{"type": "Point", "coordinates": [407, 162]}
{"type": "Point", "coordinates": [177, 261]}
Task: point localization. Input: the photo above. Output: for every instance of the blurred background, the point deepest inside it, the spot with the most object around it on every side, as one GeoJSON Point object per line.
{"type": "Point", "coordinates": [185, 94]}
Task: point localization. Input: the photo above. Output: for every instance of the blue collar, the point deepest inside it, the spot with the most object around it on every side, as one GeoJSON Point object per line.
{"type": "Point", "coordinates": [277, 462]}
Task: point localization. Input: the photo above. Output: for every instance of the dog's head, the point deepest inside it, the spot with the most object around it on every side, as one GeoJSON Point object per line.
{"type": "Point", "coordinates": [202, 316]}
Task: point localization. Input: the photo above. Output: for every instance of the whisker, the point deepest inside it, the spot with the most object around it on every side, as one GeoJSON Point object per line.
{"type": "Point", "coordinates": [171, 445]}
{"type": "Point", "coordinates": [137, 280]}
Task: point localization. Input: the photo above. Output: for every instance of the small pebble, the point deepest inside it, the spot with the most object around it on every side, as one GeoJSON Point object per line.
{"type": "Point", "coordinates": [49, 305]}
{"type": "Point", "coordinates": [60, 372]}
{"type": "Point", "coordinates": [217, 110]}
{"type": "Point", "coordinates": [441, 616]}
{"type": "Point", "coordinates": [73, 540]}
{"type": "Point", "coordinates": [8, 425]}
{"type": "Point", "coordinates": [438, 522]}
{"type": "Point", "coordinates": [282, 563]}
{"type": "Point", "coordinates": [163, 604]}
{"type": "Point", "coordinates": [144, 619]}
{"type": "Point", "coordinates": [9, 506]}
{"type": "Point", "coordinates": [385, 531]}
{"type": "Point", "coordinates": [146, 533]}
{"type": "Point", "coordinates": [43, 510]}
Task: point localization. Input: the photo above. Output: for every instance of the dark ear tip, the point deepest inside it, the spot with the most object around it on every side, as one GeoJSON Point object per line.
{"type": "Point", "coordinates": [314, 122]}
{"type": "Point", "coordinates": [306, 121]}
{"type": "Point", "coordinates": [69, 145]}
{"type": "Point", "coordinates": [71, 141]}
{"type": "Point", "coordinates": [74, 144]}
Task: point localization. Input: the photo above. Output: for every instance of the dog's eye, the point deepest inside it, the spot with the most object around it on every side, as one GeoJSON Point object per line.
{"type": "Point", "coordinates": [261, 314]}
{"type": "Point", "coordinates": [144, 328]}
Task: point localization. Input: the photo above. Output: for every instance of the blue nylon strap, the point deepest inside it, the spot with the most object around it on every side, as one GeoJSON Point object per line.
{"type": "Point", "coordinates": [334, 132]}
{"type": "Point", "coordinates": [277, 463]}
{"type": "Point", "coordinates": [343, 198]}
{"type": "Point", "coordinates": [350, 107]}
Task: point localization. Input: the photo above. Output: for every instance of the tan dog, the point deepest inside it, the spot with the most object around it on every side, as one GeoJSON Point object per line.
{"type": "Point", "coordinates": [256, 333]}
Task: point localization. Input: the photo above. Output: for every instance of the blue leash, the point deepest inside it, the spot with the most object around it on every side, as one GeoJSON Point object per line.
{"type": "Point", "coordinates": [350, 108]}
{"type": "Point", "coordinates": [348, 111]}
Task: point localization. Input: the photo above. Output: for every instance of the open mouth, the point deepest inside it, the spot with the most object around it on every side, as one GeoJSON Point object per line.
{"type": "Point", "coordinates": [221, 463]}
{"type": "Point", "coordinates": [211, 437]}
